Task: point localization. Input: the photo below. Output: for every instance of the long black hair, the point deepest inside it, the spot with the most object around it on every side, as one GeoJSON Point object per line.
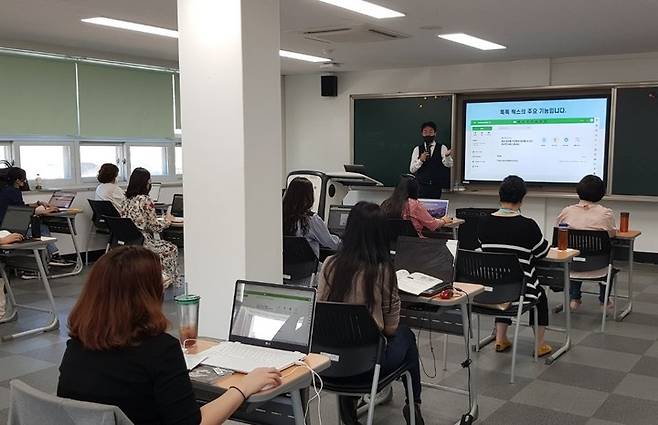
{"type": "Point", "coordinates": [138, 183]}
{"type": "Point", "coordinates": [365, 253]}
{"type": "Point", "coordinates": [406, 189]}
{"type": "Point", "coordinates": [297, 203]}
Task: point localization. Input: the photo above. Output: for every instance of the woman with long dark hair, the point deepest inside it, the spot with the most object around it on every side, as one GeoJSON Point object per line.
{"type": "Point", "coordinates": [299, 220]}
{"type": "Point", "coordinates": [403, 203]}
{"type": "Point", "coordinates": [139, 207]}
{"type": "Point", "coordinates": [120, 354]}
{"type": "Point", "coordinates": [362, 273]}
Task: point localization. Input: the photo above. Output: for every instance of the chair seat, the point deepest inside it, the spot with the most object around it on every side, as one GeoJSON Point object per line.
{"type": "Point", "coordinates": [510, 312]}
{"type": "Point", "coordinates": [361, 384]}
{"type": "Point", "coordinates": [615, 271]}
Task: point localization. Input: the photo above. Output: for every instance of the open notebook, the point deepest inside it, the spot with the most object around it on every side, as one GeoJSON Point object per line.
{"type": "Point", "coordinates": [416, 283]}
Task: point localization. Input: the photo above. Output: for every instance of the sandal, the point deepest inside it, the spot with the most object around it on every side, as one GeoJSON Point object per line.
{"type": "Point", "coordinates": [544, 350]}
{"type": "Point", "coordinates": [501, 347]}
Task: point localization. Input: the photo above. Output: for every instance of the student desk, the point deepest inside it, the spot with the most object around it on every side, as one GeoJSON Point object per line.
{"type": "Point", "coordinates": [463, 295]}
{"type": "Point", "coordinates": [626, 240]}
{"type": "Point", "coordinates": [272, 406]}
{"type": "Point", "coordinates": [64, 222]}
{"type": "Point", "coordinates": [452, 226]}
{"type": "Point", "coordinates": [38, 250]}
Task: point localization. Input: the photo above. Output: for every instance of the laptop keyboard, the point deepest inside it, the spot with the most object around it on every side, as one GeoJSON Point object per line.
{"type": "Point", "coordinates": [245, 358]}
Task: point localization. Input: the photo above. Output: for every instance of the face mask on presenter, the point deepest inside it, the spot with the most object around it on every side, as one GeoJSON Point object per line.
{"type": "Point", "coordinates": [428, 139]}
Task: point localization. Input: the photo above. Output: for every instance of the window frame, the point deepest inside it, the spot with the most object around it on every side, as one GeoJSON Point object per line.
{"type": "Point", "coordinates": [120, 161]}
{"type": "Point", "coordinates": [167, 158]}
{"type": "Point", "coordinates": [175, 174]}
{"type": "Point", "coordinates": [70, 161]}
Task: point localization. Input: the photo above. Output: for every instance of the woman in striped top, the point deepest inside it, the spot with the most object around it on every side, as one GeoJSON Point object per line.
{"type": "Point", "coordinates": [507, 231]}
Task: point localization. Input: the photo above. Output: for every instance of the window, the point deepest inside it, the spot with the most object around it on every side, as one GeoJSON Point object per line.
{"type": "Point", "coordinates": [51, 162]}
{"type": "Point", "coordinates": [93, 156]}
{"type": "Point", "coordinates": [153, 158]}
{"type": "Point", "coordinates": [179, 160]}
{"type": "Point", "coordinates": [5, 152]}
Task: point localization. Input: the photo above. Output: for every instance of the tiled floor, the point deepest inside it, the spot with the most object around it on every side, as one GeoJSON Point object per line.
{"type": "Point", "coordinates": [609, 379]}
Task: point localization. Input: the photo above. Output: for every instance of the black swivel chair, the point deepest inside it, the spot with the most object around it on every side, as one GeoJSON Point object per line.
{"type": "Point", "coordinates": [299, 261]}
{"type": "Point", "coordinates": [396, 227]}
{"type": "Point", "coordinates": [123, 232]}
{"type": "Point", "coordinates": [349, 333]}
{"type": "Point", "coordinates": [596, 254]}
{"type": "Point", "coordinates": [99, 209]}
{"type": "Point", "coordinates": [505, 282]}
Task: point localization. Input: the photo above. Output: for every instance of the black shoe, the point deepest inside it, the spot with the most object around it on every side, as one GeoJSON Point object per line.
{"type": "Point", "coordinates": [347, 409]}
{"type": "Point", "coordinates": [418, 415]}
{"type": "Point", "coordinates": [57, 261]}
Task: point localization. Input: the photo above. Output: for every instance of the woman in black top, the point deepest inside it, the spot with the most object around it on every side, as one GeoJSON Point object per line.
{"type": "Point", "coordinates": [119, 353]}
{"type": "Point", "coordinates": [508, 231]}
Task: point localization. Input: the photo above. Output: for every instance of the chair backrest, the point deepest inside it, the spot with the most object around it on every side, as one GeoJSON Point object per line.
{"type": "Point", "coordinates": [429, 256]}
{"type": "Point", "coordinates": [500, 272]}
{"type": "Point", "coordinates": [124, 232]}
{"type": "Point", "coordinates": [349, 336]}
{"type": "Point", "coordinates": [396, 227]}
{"type": "Point", "coordinates": [468, 238]}
{"type": "Point", "coordinates": [594, 246]}
{"type": "Point", "coordinates": [102, 209]}
{"type": "Point", "coordinates": [29, 406]}
{"type": "Point", "coordinates": [177, 205]}
{"type": "Point", "coordinates": [299, 260]}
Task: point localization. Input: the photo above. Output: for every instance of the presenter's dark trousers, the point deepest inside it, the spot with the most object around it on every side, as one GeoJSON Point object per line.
{"type": "Point", "coordinates": [429, 191]}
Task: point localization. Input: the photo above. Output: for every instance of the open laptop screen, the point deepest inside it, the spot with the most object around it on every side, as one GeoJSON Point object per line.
{"type": "Point", "coordinates": [436, 207]}
{"type": "Point", "coordinates": [62, 199]}
{"type": "Point", "coordinates": [271, 315]}
{"type": "Point", "coordinates": [154, 193]}
{"type": "Point", "coordinates": [17, 219]}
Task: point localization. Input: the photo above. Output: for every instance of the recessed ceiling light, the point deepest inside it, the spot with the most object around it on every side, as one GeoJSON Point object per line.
{"type": "Point", "coordinates": [302, 56]}
{"type": "Point", "coordinates": [366, 8]}
{"type": "Point", "coordinates": [132, 26]}
{"type": "Point", "coordinates": [471, 41]}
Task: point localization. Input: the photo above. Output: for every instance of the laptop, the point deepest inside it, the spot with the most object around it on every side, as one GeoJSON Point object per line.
{"type": "Point", "coordinates": [62, 200]}
{"type": "Point", "coordinates": [271, 326]}
{"type": "Point", "coordinates": [154, 193]}
{"type": "Point", "coordinates": [436, 207]}
{"type": "Point", "coordinates": [177, 205]}
{"type": "Point", "coordinates": [355, 168]}
{"type": "Point", "coordinates": [338, 215]}
{"type": "Point", "coordinates": [432, 257]}
{"type": "Point", "coordinates": [17, 219]}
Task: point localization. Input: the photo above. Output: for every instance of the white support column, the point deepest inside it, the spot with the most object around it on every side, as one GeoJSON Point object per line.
{"type": "Point", "coordinates": [231, 120]}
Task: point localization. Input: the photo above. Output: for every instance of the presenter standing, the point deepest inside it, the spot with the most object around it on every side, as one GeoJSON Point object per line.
{"type": "Point", "coordinates": [430, 165]}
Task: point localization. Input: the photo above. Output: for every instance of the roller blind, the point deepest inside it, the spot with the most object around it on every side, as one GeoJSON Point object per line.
{"type": "Point", "coordinates": [125, 102]}
{"type": "Point", "coordinates": [37, 96]}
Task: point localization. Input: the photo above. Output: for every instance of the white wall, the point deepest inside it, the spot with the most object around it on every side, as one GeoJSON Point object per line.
{"type": "Point", "coordinates": [317, 129]}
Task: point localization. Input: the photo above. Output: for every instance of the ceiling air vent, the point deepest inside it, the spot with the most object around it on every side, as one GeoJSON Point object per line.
{"type": "Point", "coordinates": [359, 34]}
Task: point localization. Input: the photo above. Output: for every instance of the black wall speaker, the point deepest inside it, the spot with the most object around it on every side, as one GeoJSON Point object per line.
{"type": "Point", "coordinates": [329, 84]}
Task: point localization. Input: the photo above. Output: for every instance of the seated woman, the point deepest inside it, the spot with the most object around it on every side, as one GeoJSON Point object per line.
{"type": "Point", "coordinates": [6, 238]}
{"type": "Point", "coordinates": [362, 273]}
{"type": "Point", "coordinates": [11, 195]}
{"type": "Point", "coordinates": [507, 231]}
{"type": "Point", "coordinates": [119, 353]}
{"type": "Point", "coordinates": [140, 209]}
{"type": "Point", "coordinates": [299, 220]}
{"type": "Point", "coordinates": [588, 214]}
{"type": "Point", "coordinates": [404, 204]}
{"type": "Point", "coordinates": [108, 189]}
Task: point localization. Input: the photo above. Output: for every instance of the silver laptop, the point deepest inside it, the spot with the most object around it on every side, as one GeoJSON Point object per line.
{"type": "Point", "coordinates": [62, 200]}
{"type": "Point", "coordinates": [338, 215]}
{"type": "Point", "coordinates": [436, 207]}
{"type": "Point", "coordinates": [271, 326]}
{"type": "Point", "coordinates": [154, 194]}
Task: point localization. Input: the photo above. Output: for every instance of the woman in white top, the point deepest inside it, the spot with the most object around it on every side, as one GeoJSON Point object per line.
{"type": "Point", "coordinates": [108, 189]}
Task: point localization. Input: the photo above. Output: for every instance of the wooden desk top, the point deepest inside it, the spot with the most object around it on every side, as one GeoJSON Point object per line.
{"type": "Point", "coordinates": [630, 235]}
{"type": "Point", "coordinates": [71, 212]}
{"type": "Point", "coordinates": [292, 378]}
{"type": "Point", "coordinates": [458, 297]}
{"type": "Point", "coordinates": [35, 243]}
{"type": "Point", "coordinates": [557, 256]}
{"type": "Point", "coordinates": [456, 222]}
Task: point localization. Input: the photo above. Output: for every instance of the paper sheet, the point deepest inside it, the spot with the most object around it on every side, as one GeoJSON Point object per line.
{"type": "Point", "coordinates": [415, 283]}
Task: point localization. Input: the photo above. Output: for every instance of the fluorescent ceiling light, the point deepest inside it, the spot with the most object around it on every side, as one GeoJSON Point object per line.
{"type": "Point", "coordinates": [469, 40]}
{"type": "Point", "coordinates": [366, 8]}
{"type": "Point", "coordinates": [132, 26]}
{"type": "Point", "coordinates": [302, 57]}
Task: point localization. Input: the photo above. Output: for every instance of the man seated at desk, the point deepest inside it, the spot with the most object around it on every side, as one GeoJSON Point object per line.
{"type": "Point", "coordinates": [6, 238]}
{"type": "Point", "coordinates": [11, 195]}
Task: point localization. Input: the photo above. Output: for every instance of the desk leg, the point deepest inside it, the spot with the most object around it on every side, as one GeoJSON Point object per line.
{"type": "Point", "coordinates": [631, 261]}
{"type": "Point", "coordinates": [78, 257]}
{"type": "Point", "coordinates": [54, 323]}
{"type": "Point", "coordinates": [298, 407]}
{"type": "Point", "coordinates": [567, 314]}
{"type": "Point", "coordinates": [11, 300]}
{"type": "Point", "coordinates": [473, 390]}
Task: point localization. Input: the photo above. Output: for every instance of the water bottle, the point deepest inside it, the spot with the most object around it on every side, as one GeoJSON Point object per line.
{"type": "Point", "coordinates": [38, 183]}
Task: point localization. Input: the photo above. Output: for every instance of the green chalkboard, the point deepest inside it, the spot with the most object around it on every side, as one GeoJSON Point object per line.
{"type": "Point", "coordinates": [636, 142]}
{"type": "Point", "coordinates": [387, 129]}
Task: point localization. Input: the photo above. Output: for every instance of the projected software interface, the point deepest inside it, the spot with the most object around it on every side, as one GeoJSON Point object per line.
{"type": "Point", "coordinates": [273, 314]}
{"type": "Point", "coordinates": [553, 141]}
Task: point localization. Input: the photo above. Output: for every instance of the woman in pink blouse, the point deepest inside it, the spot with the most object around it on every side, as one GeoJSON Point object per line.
{"type": "Point", "coordinates": [404, 204]}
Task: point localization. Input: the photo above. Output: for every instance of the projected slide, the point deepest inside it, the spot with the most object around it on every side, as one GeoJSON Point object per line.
{"type": "Point", "coordinates": [543, 141]}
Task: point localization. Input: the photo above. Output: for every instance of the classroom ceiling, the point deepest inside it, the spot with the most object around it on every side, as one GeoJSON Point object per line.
{"type": "Point", "coordinates": [530, 29]}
